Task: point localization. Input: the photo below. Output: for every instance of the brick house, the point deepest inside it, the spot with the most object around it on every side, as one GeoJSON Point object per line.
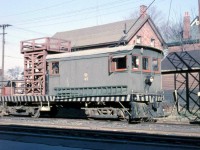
{"type": "Point", "coordinates": [143, 32]}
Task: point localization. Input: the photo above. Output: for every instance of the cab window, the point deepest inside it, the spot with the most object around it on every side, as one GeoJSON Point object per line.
{"type": "Point", "coordinates": [145, 64]}
{"type": "Point", "coordinates": [135, 62]}
{"type": "Point", "coordinates": [118, 63]}
{"type": "Point", "coordinates": [155, 64]}
{"type": "Point", "coordinates": [54, 68]}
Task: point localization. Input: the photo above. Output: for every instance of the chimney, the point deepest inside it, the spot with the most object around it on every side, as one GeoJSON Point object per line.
{"type": "Point", "coordinates": [186, 26]}
{"type": "Point", "coordinates": [143, 12]}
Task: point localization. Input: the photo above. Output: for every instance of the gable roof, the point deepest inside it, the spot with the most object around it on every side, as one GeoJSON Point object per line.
{"type": "Point", "coordinates": [194, 29]}
{"type": "Point", "coordinates": [103, 34]}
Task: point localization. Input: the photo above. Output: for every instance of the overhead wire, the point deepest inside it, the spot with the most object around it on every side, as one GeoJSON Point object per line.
{"type": "Point", "coordinates": [75, 20]}
{"type": "Point", "coordinates": [32, 31]}
{"type": "Point", "coordinates": [44, 34]}
{"type": "Point", "coordinates": [88, 10]}
{"type": "Point", "coordinates": [40, 9]}
{"type": "Point", "coordinates": [126, 32]}
{"type": "Point", "coordinates": [13, 57]}
{"type": "Point", "coordinates": [140, 16]}
{"type": "Point", "coordinates": [170, 6]}
{"type": "Point", "coordinates": [167, 27]}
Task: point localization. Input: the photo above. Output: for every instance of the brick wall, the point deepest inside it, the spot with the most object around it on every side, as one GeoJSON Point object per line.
{"type": "Point", "coordinates": [168, 81]}
{"type": "Point", "coordinates": [146, 33]}
{"type": "Point", "coordinates": [186, 47]}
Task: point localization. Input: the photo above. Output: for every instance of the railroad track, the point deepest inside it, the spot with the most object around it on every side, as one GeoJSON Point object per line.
{"type": "Point", "coordinates": [170, 128]}
{"type": "Point", "coordinates": [103, 136]}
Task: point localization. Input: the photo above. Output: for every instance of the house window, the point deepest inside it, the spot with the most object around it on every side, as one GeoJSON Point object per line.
{"type": "Point", "coordinates": [153, 42]}
{"type": "Point", "coordinates": [135, 62]}
{"type": "Point", "coordinates": [145, 63]}
{"type": "Point", "coordinates": [138, 40]}
{"type": "Point", "coordinates": [118, 63]}
{"type": "Point", "coordinates": [155, 64]}
{"type": "Point", "coordinates": [54, 68]}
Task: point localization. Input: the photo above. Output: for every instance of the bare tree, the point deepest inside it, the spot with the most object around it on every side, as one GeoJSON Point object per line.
{"type": "Point", "coordinates": [171, 30]}
{"type": "Point", "coordinates": [15, 73]}
{"type": "Point", "coordinates": [156, 15]}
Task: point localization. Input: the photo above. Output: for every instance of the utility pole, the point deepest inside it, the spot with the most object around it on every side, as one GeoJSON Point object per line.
{"type": "Point", "coordinates": [3, 26]}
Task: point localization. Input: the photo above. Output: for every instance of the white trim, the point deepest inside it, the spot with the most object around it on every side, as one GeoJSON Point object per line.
{"type": "Point", "coordinates": [90, 52]}
{"type": "Point", "coordinates": [120, 56]}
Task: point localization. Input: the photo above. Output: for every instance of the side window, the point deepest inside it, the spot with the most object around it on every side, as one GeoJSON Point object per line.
{"type": "Point", "coordinates": [153, 42]}
{"type": "Point", "coordinates": [54, 68]}
{"type": "Point", "coordinates": [145, 63]}
{"type": "Point", "coordinates": [135, 62]}
{"type": "Point", "coordinates": [139, 39]}
{"type": "Point", "coordinates": [118, 63]}
{"type": "Point", "coordinates": [155, 64]}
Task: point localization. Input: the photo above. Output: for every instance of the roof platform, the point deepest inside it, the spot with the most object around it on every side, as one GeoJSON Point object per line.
{"type": "Point", "coordinates": [35, 66]}
{"type": "Point", "coordinates": [45, 43]}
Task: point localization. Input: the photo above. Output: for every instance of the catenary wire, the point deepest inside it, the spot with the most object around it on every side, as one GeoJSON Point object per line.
{"type": "Point", "coordinates": [88, 10]}
{"type": "Point", "coordinates": [40, 9]}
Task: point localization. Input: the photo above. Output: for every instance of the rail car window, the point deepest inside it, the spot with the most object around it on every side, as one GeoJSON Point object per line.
{"type": "Point", "coordinates": [118, 63]}
{"type": "Point", "coordinates": [54, 68]}
{"type": "Point", "coordinates": [145, 63]}
{"type": "Point", "coordinates": [155, 64]}
{"type": "Point", "coordinates": [135, 62]}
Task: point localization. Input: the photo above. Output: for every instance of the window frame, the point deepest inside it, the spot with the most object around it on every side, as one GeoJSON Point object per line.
{"type": "Point", "coordinates": [149, 64]}
{"type": "Point", "coordinates": [139, 63]}
{"type": "Point", "coordinates": [51, 72]}
{"type": "Point", "coordinates": [113, 65]}
{"type": "Point", "coordinates": [139, 37]}
{"type": "Point", "coordinates": [152, 44]}
{"type": "Point", "coordinates": [158, 60]}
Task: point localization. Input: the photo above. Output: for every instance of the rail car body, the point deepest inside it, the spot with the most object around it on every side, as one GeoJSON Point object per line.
{"type": "Point", "coordinates": [119, 82]}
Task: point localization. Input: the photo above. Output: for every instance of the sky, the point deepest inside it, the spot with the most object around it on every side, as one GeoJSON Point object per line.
{"type": "Point", "coordinates": [43, 18]}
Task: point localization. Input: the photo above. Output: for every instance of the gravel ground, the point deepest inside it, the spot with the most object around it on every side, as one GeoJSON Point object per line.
{"type": "Point", "coordinates": [161, 127]}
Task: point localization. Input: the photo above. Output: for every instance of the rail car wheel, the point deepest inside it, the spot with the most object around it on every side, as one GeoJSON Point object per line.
{"type": "Point", "coordinates": [36, 113]}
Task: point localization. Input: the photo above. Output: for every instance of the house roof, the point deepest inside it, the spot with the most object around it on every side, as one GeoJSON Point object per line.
{"type": "Point", "coordinates": [167, 66]}
{"type": "Point", "coordinates": [102, 34]}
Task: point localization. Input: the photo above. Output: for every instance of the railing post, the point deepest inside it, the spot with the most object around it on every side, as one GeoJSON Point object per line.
{"type": "Point", "coordinates": [33, 45]}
